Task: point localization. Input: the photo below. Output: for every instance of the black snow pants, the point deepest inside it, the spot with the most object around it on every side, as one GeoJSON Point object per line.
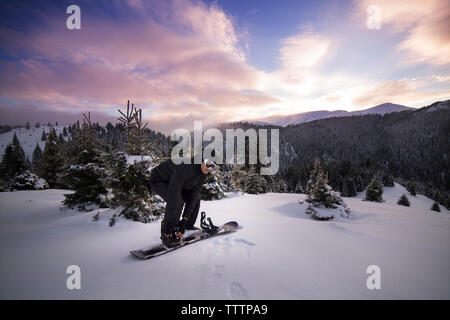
{"type": "Point", "coordinates": [169, 222]}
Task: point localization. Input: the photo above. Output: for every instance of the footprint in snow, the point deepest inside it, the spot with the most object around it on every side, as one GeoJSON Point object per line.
{"type": "Point", "coordinates": [210, 272]}
{"type": "Point", "coordinates": [237, 291]}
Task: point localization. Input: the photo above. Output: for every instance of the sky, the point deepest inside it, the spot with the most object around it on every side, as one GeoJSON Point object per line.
{"type": "Point", "coordinates": [221, 60]}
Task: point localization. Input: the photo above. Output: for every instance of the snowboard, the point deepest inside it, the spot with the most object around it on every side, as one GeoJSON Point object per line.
{"type": "Point", "coordinates": [160, 249]}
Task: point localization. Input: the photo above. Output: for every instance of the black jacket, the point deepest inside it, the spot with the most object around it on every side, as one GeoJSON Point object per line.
{"type": "Point", "coordinates": [186, 178]}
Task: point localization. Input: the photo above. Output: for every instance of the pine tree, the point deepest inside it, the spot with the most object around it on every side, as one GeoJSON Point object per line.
{"type": "Point", "coordinates": [28, 127]}
{"type": "Point", "coordinates": [37, 125]}
{"type": "Point", "coordinates": [128, 185]}
{"type": "Point", "coordinates": [435, 207]}
{"type": "Point", "coordinates": [29, 181]}
{"type": "Point", "coordinates": [388, 180]}
{"type": "Point", "coordinates": [254, 184]}
{"type": "Point", "coordinates": [298, 188]}
{"type": "Point", "coordinates": [20, 161]}
{"type": "Point", "coordinates": [132, 121]}
{"type": "Point", "coordinates": [44, 136]}
{"type": "Point", "coordinates": [13, 162]}
{"type": "Point", "coordinates": [411, 187]}
{"type": "Point", "coordinates": [404, 201]}
{"type": "Point", "coordinates": [238, 178]}
{"type": "Point", "coordinates": [83, 170]}
{"type": "Point", "coordinates": [212, 190]}
{"type": "Point", "coordinates": [51, 160]}
{"type": "Point", "coordinates": [374, 190]}
{"type": "Point", "coordinates": [37, 156]}
{"type": "Point", "coordinates": [351, 188]}
{"type": "Point", "coordinates": [61, 139]}
{"type": "Point", "coordinates": [6, 172]}
{"type": "Point", "coordinates": [321, 195]}
{"type": "Point", "coordinates": [313, 176]}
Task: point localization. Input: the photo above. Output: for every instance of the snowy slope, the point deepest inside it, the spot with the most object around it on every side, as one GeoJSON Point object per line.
{"type": "Point", "coordinates": [27, 138]}
{"type": "Point", "coordinates": [279, 253]}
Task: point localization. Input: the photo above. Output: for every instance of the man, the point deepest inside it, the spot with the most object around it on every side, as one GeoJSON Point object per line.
{"type": "Point", "coordinates": [178, 185]}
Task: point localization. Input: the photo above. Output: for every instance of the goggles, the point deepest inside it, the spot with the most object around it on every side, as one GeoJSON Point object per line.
{"type": "Point", "coordinates": [209, 164]}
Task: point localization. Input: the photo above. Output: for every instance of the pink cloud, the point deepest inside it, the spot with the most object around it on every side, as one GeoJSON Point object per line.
{"type": "Point", "coordinates": [188, 58]}
{"type": "Point", "coordinates": [424, 24]}
{"type": "Point", "coordinates": [410, 92]}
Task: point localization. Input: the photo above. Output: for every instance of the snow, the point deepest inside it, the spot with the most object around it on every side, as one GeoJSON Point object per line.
{"type": "Point", "coordinates": [279, 252]}
{"type": "Point", "coordinates": [132, 159]}
{"type": "Point", "coordinates": [28, 138]}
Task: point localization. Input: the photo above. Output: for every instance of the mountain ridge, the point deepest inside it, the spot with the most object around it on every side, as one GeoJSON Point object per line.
{"type": "Point", "coordinates": [302, 117]}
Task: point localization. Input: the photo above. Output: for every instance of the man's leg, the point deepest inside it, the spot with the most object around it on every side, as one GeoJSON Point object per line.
{"type": "Point", "coordinates": [191, 218]}
{"type": "Point", "coordinates": [169, 223]}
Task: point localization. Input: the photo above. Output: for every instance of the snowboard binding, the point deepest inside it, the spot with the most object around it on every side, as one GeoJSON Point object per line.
{"type": "Point", "coordinates": [207, 226]}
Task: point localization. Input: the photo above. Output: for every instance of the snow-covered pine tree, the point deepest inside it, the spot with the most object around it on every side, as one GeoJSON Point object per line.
{"type": "Point", "coordinates": [83, 170]}
{"type": "Point", "coordinates": [404, 201]}
{"type": "Point", "coordinates": [212, 189]}
{"type": "Point", "coordinates": [276, 184]}
{"type": "Point", "coordinates": [313, 176]}
{"type": "Point", "coordinates": [374, 190]}
{"type": "Point", "coordinates": [321, 197]}
{"type": "Point", "coordinates": [238, 178]}
{"type": "Point", "coordinates": [51, 163]}
{"type": "Point", "coordinates": [37, 125]}
{"type": "Point", "coordinates": [43, 136]}
{"type": "Point", "coordinates": [298, 188]}
{"type": "Point", "coordinates": [27, 126]}
{"type": "Point", "coordinates": [127, 182]}
{"type": "Point", "coordinates": [29, 181]}
{"type": "Point", "coordinates": [435, 207]}
{"type": "Point", "coordinates": [128, 172]}
{"type": "Point", "coordinates": [225, 177]}
{"type": "Point", "coordinates": [255, 184]}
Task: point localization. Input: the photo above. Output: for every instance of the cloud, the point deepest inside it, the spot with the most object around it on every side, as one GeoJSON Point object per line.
{"type": "Point", "coordinates": [183, 60]}
{"type": "Point", "coordinates": [424, 25]}
{"type": "Point", "coordinates": [172, 57]}
{"type": "Point", "coordinates": [411, 92]}
{"type": "Point", "coordinates": [304, 50]}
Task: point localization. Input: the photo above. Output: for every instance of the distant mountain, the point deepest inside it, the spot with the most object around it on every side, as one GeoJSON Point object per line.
{"type": "Point", "coordinates": [322, 114]}
{"type": "Point", "coordinates": [409, 146]}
